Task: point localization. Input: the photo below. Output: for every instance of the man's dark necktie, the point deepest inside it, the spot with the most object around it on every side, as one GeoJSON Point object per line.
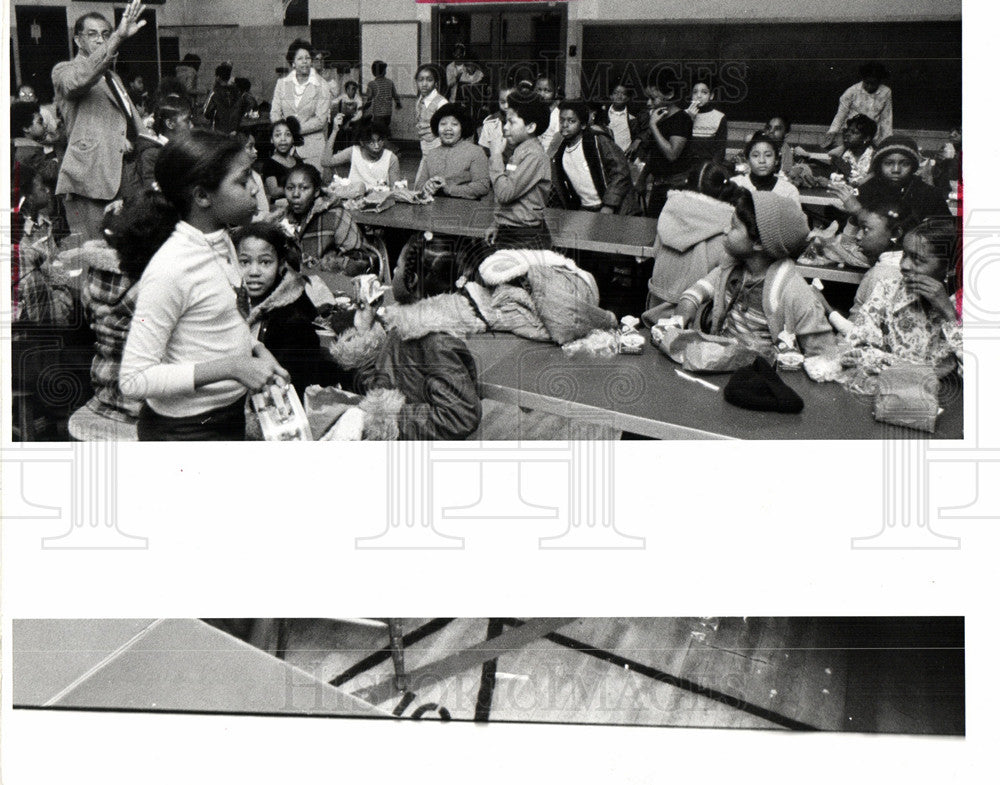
{"type": "Point", "coordinates": [130, 132]}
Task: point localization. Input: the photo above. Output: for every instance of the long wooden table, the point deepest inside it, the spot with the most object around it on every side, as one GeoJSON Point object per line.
{"type": "Point", "coordinates": [628, 235]}
{"type": "Point", "coordinates": [625, 235]}
{"type": "Point", "coordinates": [643, 394]}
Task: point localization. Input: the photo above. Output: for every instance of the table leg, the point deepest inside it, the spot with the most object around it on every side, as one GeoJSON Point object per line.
{"type": "Point", "coordinates": [396, 647]}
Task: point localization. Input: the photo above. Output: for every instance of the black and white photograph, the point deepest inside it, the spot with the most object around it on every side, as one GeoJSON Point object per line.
{"type": "Point", "coordinates": [861, 675]}
{"type": "Point", "coordinates": [631, 311]}
{"type": "Point", "coordinates": [483, 222]}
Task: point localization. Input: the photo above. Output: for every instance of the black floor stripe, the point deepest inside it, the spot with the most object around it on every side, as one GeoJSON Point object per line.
{"type": "Point", "coordinates": [675, 681]}
{"type": "Point", "coordinates": [369, 662]}
{"type": "Point", "coordinates": [488, 679]}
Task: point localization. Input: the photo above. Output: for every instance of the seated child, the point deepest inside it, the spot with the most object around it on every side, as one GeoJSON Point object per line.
{"type": "Point", "coordinates": [589, 171]}
{"type": "Point", "coordinates": [854, 158]}
{"type": "Point", "coordinates": [761, 295]}
{"type": "Point", "coordinates": [880, 239]}
{"type": "Point", "coordinates": [894, 181]}
{"type": "Point", "coordinates": [285, 135]}
{"type": "Point", "coordinates": [171, 120]}
{"type": "Point", "coordinates": [28, 132]}
{"type": "Point", "coordinates": [40, 213]}
{"type": "Point", "coordinates": [690, 234]}
{"type": "Point", "coordinates": [326, 232]}
{"type": "Point", "coordinates": [909, 316]}
{"type": "Point", "coordinates": [418, 384]}
{"type": "Point", "coordinates": [456, 167]}
{"type": "Point", "coordinates": [777, 128]}
{"type": "Point", "coordinates": [372, 165]}
{"type": "Point", "coordinates": [521, 184]}
{"type": "Point", "coordinates": [281, 313]}
{"type": "Point", "coordinates": [762, 156]}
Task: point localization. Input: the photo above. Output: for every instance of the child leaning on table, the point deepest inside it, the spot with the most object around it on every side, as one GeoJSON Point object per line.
{"type": "Point", "coordinates": [417, 383]}
{"type": "Point", "coordinates": [761, 295]}
{"type": "Point", "coordinates": [373, 166]}
{"type": "Point", "coordinates": [521, 183]}
{"type": "Point", "coordinates": [910, 316]}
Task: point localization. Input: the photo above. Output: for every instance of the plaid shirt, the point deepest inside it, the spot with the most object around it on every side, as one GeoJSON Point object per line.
{"type": "Point", "coordinates": [330, 240]}
{"type": "Point", "coordinates": [109, 297]}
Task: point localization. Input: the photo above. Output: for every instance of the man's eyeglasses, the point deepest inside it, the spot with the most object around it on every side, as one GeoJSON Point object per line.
{"type": "Point", "coordinates": [95, 35]}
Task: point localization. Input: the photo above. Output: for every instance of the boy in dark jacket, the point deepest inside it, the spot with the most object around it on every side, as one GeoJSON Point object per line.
{"type": "Point", "coordinates": [589, 171]}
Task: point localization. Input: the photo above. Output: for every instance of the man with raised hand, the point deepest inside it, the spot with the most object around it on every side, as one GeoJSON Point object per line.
{"type": "Point", "coordinates": [101, 120]}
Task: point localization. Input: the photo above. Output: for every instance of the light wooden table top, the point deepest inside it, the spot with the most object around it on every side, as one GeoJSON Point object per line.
{"type": "Point", "coordinates": [643, 394]}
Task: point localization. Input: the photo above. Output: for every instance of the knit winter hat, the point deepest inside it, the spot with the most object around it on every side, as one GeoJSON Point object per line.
{"type": "Point", "coordinates": [781, 223]}
{"type": "Point", "coordinates": [758, 387]}
{"type": "Point", "coordinates": [897, 143]}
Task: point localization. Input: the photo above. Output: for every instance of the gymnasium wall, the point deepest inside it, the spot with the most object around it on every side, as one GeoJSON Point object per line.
{"type": "Point", "coordinates": [761, 10]}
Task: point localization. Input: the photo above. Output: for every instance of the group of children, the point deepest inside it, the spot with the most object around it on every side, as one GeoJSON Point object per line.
{"type": "Point", "coordinates": [205, 292]}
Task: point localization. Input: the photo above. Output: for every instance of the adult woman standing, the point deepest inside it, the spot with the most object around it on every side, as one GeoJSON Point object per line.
{"type": "Point", "coordinates": [304, 95]}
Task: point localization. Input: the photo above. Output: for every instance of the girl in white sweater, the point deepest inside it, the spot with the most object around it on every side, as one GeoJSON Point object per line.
{"type": "Point", "coordinates": [189, 353]}
{"type": "Point", "coordinates": [765, 169]}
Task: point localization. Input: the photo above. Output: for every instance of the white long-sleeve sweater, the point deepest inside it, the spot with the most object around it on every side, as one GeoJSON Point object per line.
{"type": "Point", "coordinates": [186, 314]}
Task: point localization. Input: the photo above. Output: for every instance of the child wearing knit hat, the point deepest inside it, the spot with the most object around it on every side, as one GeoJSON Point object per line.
{"type": "Point", "coordinates": [761, 295]}
{"type": "Point", "coordinates": [894, 180]}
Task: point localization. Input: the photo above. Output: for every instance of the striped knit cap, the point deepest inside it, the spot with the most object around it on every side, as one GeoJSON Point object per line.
{"type": "Point", "coordinates": [781, 223]}
{"type": "Point", "coordinates": [897, 143]}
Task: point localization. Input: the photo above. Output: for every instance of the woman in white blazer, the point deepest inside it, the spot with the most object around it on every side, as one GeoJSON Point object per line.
{"type": "Point", "coordinates": [304, 95]}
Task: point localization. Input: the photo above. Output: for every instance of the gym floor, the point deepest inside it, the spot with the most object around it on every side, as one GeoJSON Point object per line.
{"type": "Point", "coordinates": [870, 674]}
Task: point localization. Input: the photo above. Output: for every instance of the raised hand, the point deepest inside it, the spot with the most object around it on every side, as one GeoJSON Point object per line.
{"type": "Point", "coordinates": [131, 22]}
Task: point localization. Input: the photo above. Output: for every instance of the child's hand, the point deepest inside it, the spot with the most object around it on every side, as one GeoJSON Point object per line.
{"type": "Point", "coordinates": [846, 195]}
{"type": "Point", "coordinates": [657, 113]}
{"type": "Point", "coordinates": [364, 318]}
{"type": "Point", "coordinates": [255, 373]}
{"type": "Point", "coordinates": [433, 185]}
{"type": "Point", "coordinates": [932, 290]}
{"type": "Point", "coordinates": [338, 120]}
{"type": "Point", "coordinates": [491, 234]}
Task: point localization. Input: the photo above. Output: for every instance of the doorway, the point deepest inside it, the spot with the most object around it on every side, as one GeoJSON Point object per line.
{"type": "Point", "coordinates": [139, 55]}
{"type": "Point", "coordinates": [509, 42]}
{"type": "Point", "coordinates": [42, 41]}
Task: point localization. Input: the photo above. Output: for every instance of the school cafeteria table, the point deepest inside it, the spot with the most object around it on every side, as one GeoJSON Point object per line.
{"type": "Point", "coordinates": [579, 230]}
{"type": "Point", "coordinates": [162, 665]}
{"type": "Point", "coordinates": [643, 394]}
{"type": "Point", "coordinates": [825, 197]}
